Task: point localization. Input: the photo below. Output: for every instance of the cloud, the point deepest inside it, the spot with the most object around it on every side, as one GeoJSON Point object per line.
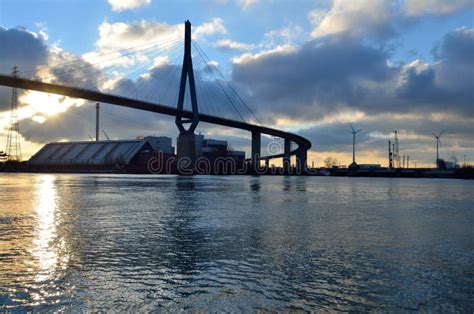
{"type": "Point", "coordinates": [227, 44]}
{"type": "Point", "coordinates": [313, 79]}
{"type": "Point", "coordinates": [215, 26]}
{"type": "Point", "coordinates": [128, 44]}
{"type": "Point", "coordinates": [122, 5]}
{"type": "Point", "coordinates": [29, 51]}
{"type": "Point", "coordinates": [19, 46]}
{"type": "Point", "coordinates": [147, 33]}
{"type": "Point", "coordinates": [435, 7]}
{"type": "Point", "coordinates": [23, 48]}
{"type": "Point", "coordinates": [446, 84]}
{"type": "Point", "coordinates": [355, 18]}
{"type": "Point", "coordinates": [144, 37]}
{"type": "Point", "coordinates": [114, 36]}
{"type": "Point", "coordinates": [246, 3]}
{"type": "Point", "coordinates": [327, 75]}
{"type": "Point", "coordinates": [316, 16]}
{"type": "Point", "coordinates": [279, 50]}
{"type": "Point", "coordinates": [285, 35]}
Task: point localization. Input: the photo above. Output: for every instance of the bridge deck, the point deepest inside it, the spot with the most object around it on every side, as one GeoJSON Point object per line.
{"type": "Point", "coordinates": [6, 80]}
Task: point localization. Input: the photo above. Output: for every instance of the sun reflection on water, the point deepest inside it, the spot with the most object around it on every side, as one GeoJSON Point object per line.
{"type": "Point", "coordinates": [48, 247]}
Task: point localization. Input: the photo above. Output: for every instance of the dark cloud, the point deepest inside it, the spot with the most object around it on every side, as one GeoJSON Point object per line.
{"type": "Point", "coordinates": [314, 79]}
{"type": "Point", "coordinates": [22, 48]}
{"type": "Point", "coordinates": [447, 85]}
{"type": "Point", "coordinates": [419, 85]}
{"type": "Point", "coordinates": [457, 46]}
{"type": "Point", "coordinates": [324, 75]}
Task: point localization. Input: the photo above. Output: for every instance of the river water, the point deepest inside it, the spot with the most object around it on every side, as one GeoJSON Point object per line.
{"type": "Point", "coordinates": [138, 243]}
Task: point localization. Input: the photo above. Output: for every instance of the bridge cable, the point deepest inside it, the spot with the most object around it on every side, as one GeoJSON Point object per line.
{"type": "Point", "coordinates": [227, 83]}
{"type": "Point", "coordinates": [81, 58]}
{"type": "Point", "coordinates": [130, 76]}
{"type": "Point", "coordinates": [226, 94]}
{"type": "Point", "coordinates": [209, 64]}
{"type": "Point", "coordinates": [93, 64]}
{"type": "Point", "coordinates": [148, 66]}
{"type": "Point", "coordinates": [162, 77]}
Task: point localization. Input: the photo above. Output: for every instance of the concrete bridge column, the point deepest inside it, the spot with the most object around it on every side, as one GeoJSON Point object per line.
{"type": "Point", "coordinates": [286, 156]}
{"type": "Point", "coordinates": [301, 160]}
{"type": "Point", "coordinates": [186, 147]}
{"type": "Point", "coordinates": [256, 145]}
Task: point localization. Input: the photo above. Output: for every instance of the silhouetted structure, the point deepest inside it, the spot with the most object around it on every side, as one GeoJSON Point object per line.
{"type": "Point", "coordinates": [439, 163]}
{"type": "Point", "coordinates": [186, 139]}
{"type": "Point", "coordinates": [354, 132]}
{"type": "Point", "coordinates": [13, 151]}
{"type": "Point", "coordinates": [99, 156]}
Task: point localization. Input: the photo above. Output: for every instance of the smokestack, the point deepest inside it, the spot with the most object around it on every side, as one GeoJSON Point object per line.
{"type": "Point", "coordinates": [97, 111]}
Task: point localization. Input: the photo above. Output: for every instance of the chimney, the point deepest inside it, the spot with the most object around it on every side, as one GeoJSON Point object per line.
{"type": "Point", "coordinates": [97, 111]}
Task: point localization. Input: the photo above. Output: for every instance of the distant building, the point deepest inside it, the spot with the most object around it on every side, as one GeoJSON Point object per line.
{"type": "Point", "coordinates": [199, 144]}
{"type": "Point", "coordinates": [214, 148]}
{"type": "Point", "coordinates": [451, 164]}
{"type": "Point", "coordinates": [239, 156]}
{"type": "Point", "coordinates": [369, 166]}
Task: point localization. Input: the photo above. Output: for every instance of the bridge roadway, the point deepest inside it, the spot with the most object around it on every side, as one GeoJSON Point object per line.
{"type": "Point", "coordinates": [301, 151]}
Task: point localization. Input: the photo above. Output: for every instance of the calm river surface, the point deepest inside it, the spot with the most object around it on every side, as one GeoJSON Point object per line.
{"type": "Point", "coordinates": [129, 243]}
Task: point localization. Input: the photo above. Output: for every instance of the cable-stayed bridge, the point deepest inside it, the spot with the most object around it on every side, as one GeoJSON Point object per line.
{"type": "Point", "coordinates": [196, 96]}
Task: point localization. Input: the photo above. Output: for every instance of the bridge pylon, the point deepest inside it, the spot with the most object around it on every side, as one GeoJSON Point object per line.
{"type": "Point", "coordinates": [287, 156]}
{"type": "Point", "coordinates": [186, 139]}
{"type": "Point", "coordinates": [256, 150]}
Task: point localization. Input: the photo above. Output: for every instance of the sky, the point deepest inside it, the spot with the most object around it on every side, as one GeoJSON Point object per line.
{"type": "Point", "coordinates": [306, 66]}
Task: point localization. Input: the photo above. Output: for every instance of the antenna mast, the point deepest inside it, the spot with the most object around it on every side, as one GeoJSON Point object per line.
{"type": "Point", "coordinates": [13, 150]}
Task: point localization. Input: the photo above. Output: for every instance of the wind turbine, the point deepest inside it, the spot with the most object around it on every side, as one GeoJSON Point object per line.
{"type": "Point", "coordinates": [354, 132]}
{"type": "Point", "coordinates": [438, 142]}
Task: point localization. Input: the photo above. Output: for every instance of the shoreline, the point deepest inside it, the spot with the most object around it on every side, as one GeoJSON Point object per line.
{"type": "Point", "coordinates": [428, 173]}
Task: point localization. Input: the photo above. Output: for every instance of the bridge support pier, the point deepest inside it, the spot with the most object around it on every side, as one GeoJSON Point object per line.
{"type": "Point", "coordinates": [301, 161]}
{"type": "Point", "coordinates": [256, 146]}
{"type": "Point", "coordinates": [186, 145]}
{"type": "Point", "coordinates": [287, 156]}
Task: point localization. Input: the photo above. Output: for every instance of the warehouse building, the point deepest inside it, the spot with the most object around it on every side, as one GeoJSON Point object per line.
{"type": "Point", "coordinates": [101, 156]}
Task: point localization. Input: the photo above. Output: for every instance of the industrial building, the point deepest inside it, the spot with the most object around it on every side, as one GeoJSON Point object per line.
{"type": "Point", "coordinates": [101, 156]}
{"type": "Point", "coordinates": [211, 148]}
